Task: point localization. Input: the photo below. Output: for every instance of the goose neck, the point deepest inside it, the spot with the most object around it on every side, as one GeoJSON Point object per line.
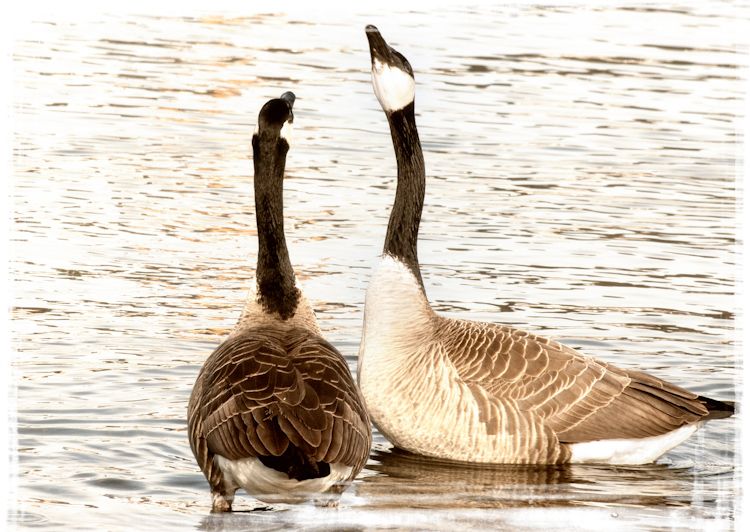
{"type": "Point", "coordinates": [277, 292]}
{"type": "Point", "coordinates": [403, 226]}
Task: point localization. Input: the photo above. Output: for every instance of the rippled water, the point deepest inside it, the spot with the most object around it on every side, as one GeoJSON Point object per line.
{"type": "Point", "coordinates": [581, 184]}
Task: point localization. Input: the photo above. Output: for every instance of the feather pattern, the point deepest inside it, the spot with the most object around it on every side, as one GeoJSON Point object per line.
{"type": "Point", "coordinates": [264, 390]}
{"type": "Point", "coordinates": [578, 397]}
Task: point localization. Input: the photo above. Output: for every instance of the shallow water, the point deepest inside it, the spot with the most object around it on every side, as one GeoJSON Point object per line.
{"type": "Point", "coordinates": [581, 185]}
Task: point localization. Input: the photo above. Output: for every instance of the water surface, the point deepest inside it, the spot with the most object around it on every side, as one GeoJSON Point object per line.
{"type": "Point", "coordinates": [581, 185]}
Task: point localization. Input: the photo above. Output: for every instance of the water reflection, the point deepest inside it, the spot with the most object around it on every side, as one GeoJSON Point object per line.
{"type": "Point", "coordinates": [271, 521]}
{"type": "Point", "coordinates": [405, 480]}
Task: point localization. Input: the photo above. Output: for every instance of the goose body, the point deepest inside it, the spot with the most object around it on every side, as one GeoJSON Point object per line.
{"type": "Point", "coordinates": [274, 409]}
{"type": "Point", "coordinates": [481, 392]}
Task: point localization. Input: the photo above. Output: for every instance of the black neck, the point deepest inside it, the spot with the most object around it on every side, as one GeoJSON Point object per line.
{"type": "Point", "coordinates": [403, 226]}
{"type": "Point", "coordinates": [275, 276]}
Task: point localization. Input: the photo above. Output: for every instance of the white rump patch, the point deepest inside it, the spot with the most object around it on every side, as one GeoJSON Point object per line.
{"type": "Point", "coordinates": [269, 485]}
{"type": "Point", "coordinates": [393, 87]}
{"type": "Point", "coordinates": [631, 452]}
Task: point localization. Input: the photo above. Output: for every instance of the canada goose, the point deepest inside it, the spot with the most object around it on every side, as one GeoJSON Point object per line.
{"type": "Point", "coordinates": [274, 409]}
{"type": "Point", "coordinates": [480, 392]}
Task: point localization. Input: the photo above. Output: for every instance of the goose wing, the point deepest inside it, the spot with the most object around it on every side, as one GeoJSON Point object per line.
{"type": "Point", "coordinates": [260, 393]}
{"type": "Point", "coordinates": [579, 398]}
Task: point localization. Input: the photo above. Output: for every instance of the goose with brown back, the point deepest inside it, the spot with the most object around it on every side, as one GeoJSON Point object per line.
{"type": "Point", "coordinates": [275, 410]}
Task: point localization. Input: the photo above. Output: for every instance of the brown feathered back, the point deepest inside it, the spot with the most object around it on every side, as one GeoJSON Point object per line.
{"type": "Point", "coordinates": [265, 392]}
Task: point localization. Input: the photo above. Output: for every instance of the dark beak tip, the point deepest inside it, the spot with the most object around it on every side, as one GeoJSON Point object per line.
{"type": "Point", "coordinates": [378, 46]}
{"type": "Point", "coordinates": [289, 97]}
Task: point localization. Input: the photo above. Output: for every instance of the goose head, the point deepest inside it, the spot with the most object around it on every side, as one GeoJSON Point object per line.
{"type": "Point", "coordinates": [392, 76]}
{"type": "Point", "coordinates": [275, 123]}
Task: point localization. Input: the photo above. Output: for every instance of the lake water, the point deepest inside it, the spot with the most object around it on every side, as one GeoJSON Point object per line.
{"type": "Point", "coordinates": [582, 184]}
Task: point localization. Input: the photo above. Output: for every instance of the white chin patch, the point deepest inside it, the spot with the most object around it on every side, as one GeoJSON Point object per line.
{"type": "Point", "coordinates": [286, 132]}
{"type": "Point", "coordinates": [393, 87]}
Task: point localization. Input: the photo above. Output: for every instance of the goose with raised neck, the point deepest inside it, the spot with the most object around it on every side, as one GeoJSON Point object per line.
{"type": "Point", "coordinates": [481, 392]}
{"type": "Point", "coordinates": [275, 410]}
